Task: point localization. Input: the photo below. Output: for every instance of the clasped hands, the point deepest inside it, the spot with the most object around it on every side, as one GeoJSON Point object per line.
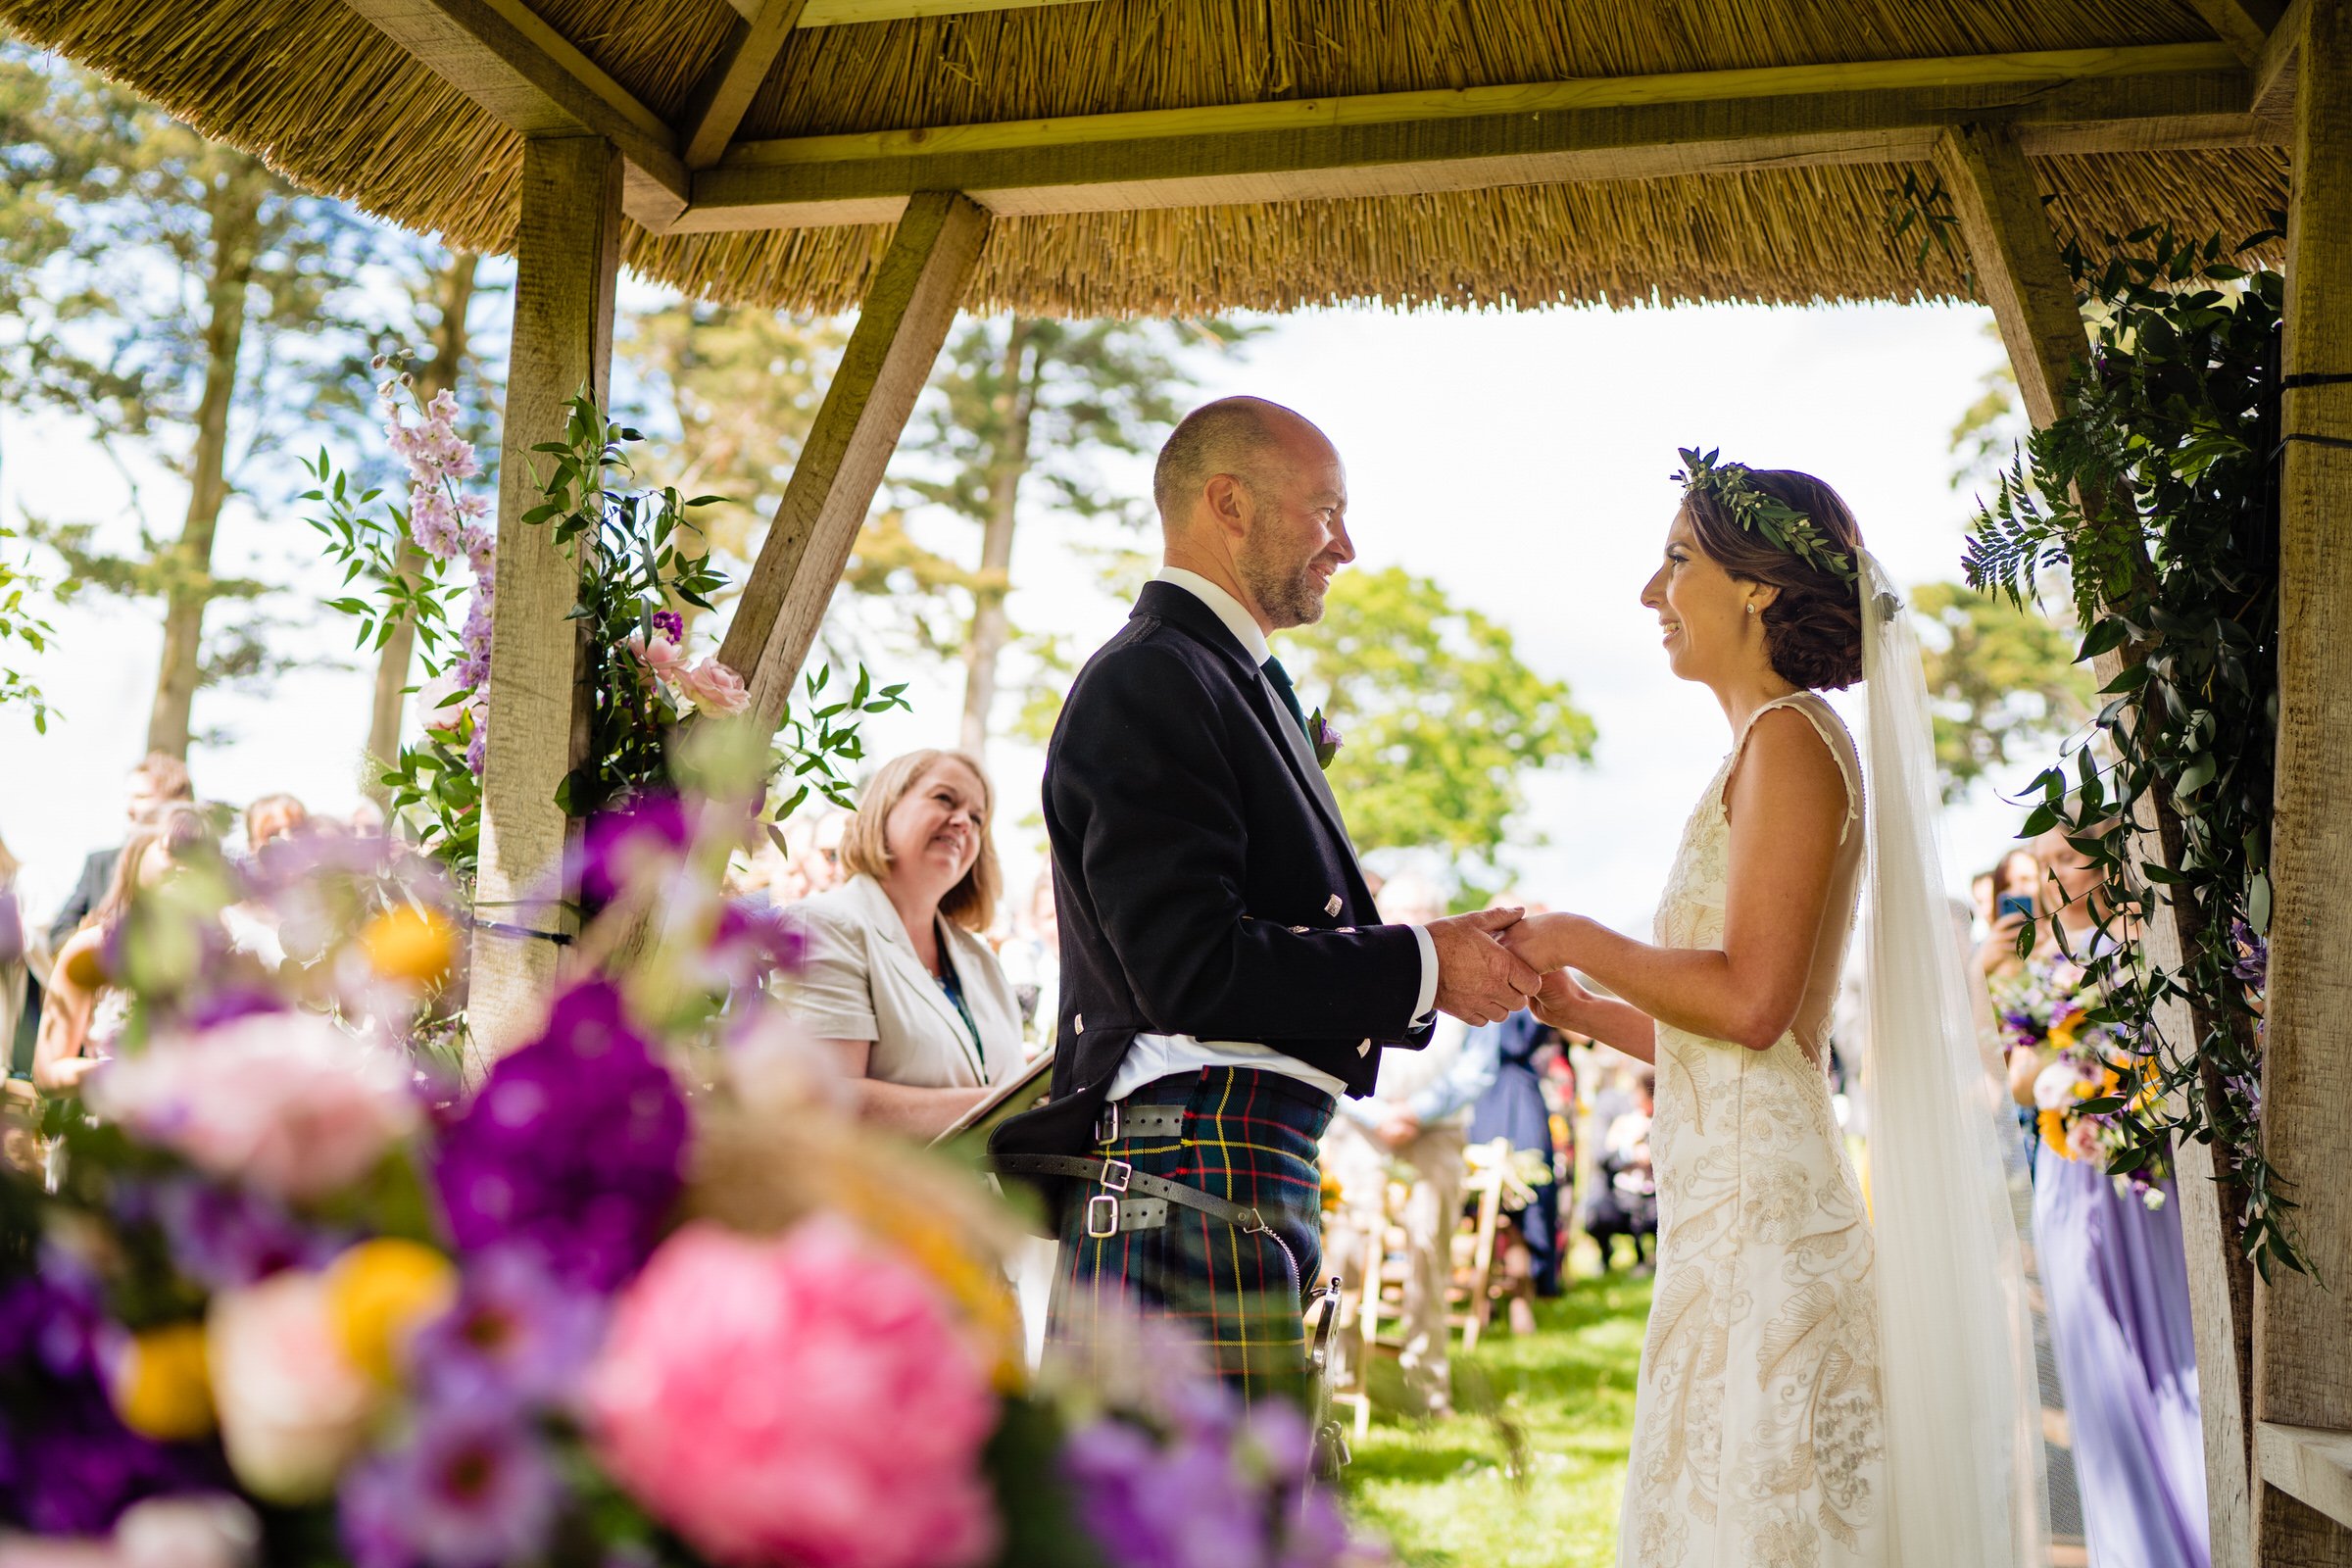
{"type": "Point", "coordinates": [1497, 962]}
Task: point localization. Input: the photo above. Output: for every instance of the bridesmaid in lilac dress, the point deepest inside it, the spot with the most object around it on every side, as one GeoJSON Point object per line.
{"type": "Point", "coordinates": [2116, 1279]}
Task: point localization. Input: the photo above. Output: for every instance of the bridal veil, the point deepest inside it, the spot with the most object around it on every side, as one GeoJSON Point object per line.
{"type": "Point", "coordinates": [1963, 1433]}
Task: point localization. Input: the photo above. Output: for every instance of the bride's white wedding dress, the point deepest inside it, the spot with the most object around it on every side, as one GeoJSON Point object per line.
{"type": "Point", "coordinates": [1759, 1429]}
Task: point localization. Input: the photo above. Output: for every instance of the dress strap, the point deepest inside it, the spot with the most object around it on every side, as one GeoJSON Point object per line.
{"type": "Point", "coordinates": [1832, 730]}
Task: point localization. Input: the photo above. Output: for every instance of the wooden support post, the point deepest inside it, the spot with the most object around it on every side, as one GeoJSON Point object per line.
{"type": "Point", "coordinates": [2018, 270]}
{"type": "Point", "coordinates": [905, 319]}
{"type": "Point", "coordinates": [2303, 1327]}
{"type": "Point", "coordinates": [567, 259]}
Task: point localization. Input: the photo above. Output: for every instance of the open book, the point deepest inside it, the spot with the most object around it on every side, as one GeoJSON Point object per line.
{"type": "Point", "coordinates": [968, 1135]}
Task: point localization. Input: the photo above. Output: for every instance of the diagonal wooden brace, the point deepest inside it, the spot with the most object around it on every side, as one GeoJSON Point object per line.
{"type": "Point", "coordinates": [904, 320]}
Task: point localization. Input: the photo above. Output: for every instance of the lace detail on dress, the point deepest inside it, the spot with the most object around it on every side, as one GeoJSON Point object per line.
{"type": "Point", "coordinates": [1757, 1431]}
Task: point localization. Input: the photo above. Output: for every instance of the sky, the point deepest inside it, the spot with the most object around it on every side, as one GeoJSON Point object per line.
{"type": "Point", "coordinates": [1522, 460]}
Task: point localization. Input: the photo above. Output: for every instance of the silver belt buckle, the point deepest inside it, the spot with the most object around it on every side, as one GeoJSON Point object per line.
{"type": "Point", "coordinates": [1107, 1207]}
{"type": "Point", "coordinates": [1114, 1175]}
{"type": "Point", "coordinates": [1106, 1125]}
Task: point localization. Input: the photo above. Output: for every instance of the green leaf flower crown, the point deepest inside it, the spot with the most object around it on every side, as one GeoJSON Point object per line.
{"type": "Point", "coordinates": [1786, 527]}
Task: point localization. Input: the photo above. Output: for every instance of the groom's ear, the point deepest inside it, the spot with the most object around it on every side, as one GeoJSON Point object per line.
{"type": "Point", "coordinates": [1230, 504]}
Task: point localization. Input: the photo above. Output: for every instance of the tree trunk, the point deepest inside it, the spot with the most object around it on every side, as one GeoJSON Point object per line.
{"type": "Point", "coordinates": [234, 211]}
{"type": "Point", "coordinates": [453, 291]}
{"type": "Point", "coordinates": [1016, 403]}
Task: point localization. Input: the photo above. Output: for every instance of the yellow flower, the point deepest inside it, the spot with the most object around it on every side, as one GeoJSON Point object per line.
{"type": "Point", "coordinates": [410, 944]}
{"type": "Point", "coordinates": [2053, 1132]}
{"type": "Point", "coordinates": [2062, 1033]}
{"type": "Point", "coordinates": [379, 1292]}
{"type": "Point", "coordinates": [162, 1388]}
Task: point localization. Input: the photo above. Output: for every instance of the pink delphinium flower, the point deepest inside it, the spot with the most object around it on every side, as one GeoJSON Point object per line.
{"type": "Point", "coordinates": [714, 687]}
{"type": "Point", "coordinates": [804, 1399]}
{"type": "Point", "coordinates": [285, 1103]}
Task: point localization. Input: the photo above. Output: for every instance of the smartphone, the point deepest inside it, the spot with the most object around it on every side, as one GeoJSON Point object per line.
{"type": "Point", "coordinates": [2014, 903]}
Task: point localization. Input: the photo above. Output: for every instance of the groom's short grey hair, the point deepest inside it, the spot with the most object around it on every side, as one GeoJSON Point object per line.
{"type": "Point", "coordinates": [1237, 435]}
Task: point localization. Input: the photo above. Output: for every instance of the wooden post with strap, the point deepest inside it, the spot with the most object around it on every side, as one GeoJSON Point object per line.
{"type": "Point", "coordinates": [2016, 259]}
{"type": "Point", "coordinates": [2303, 1326]}
{"type": "Point", "coordinates": [566, 260]}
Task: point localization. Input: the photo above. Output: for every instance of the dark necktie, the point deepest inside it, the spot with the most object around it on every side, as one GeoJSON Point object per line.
{"type": "Point", "coordinates": [1281, 678]}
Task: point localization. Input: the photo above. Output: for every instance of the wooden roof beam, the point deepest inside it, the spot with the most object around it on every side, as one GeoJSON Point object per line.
{"type": "Point", "coordinates": [2245, 25]}
{"type": "Point", "coordinates": [848, 12]}
{"type": "Point", "coordinates": [2274, 73]}
{"type": "Point", "coordinates": [1624, 127]}
{"type": "Point", "coordinates": [727, 88]}
{"type": "Point", "coordinates": [535, 83]}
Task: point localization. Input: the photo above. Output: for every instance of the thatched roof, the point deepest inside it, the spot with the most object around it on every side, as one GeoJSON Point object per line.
{"type": "Point", "coordinates": [338, 105]}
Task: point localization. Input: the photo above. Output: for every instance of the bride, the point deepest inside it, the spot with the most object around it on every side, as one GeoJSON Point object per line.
{"type": "Point", "coordinates": [1831, 1377]}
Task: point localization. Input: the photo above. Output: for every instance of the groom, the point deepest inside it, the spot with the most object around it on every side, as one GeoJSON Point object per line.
{"type": "Point", "coordinates": [1224, 976]}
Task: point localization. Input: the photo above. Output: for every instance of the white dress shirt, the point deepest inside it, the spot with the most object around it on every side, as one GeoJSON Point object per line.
{"type": "Point", "coordinates": [1154, 1056]}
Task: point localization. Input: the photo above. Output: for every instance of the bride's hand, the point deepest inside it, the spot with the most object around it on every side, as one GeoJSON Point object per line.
{"type": "Point", "coordinates": [1564, 1005]}
{"type": "Point", "coordinates": [1544, 940]}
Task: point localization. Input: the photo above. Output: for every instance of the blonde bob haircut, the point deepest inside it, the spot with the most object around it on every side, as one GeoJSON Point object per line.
{"type": "Point", "coordinates": [865, 848]}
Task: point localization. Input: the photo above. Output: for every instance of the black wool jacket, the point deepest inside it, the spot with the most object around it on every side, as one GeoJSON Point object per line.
{"type": "Point", "coordinates": [1203, 882]}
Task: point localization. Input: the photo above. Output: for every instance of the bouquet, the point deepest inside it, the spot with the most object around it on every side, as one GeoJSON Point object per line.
{"type": "Point", "coordinates": [2093, 1084]}
{"type": "Point", "coordinates": [293, 1284]}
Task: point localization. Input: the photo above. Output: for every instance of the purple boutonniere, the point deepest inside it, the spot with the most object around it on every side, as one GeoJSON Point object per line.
{"type": "Point", "coordinates": [1327, 740]}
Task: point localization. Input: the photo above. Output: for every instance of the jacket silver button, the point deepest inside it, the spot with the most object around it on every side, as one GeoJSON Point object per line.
{"type": "Point", "coordinates": [1333, 907]}
{"type": "Point", "coordinates": [1079, 1022]}
{"type": "Point", "coordinates": [1364, 1049]}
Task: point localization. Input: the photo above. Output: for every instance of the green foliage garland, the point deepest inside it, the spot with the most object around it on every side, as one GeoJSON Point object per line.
{"type": "Point", "coordinates": [2155, 492]}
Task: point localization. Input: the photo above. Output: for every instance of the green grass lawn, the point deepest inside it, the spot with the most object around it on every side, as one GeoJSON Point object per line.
{"type": "Point", "coordinates": [1443, 1491]}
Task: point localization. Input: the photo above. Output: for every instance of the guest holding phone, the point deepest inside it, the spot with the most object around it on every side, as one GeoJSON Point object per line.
{"type": "Point", "coordinates": [900, 983]}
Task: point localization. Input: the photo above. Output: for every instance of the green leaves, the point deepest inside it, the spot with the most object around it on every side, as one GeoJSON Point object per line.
{"type": "Point", "coordinates": [2154, 495]}
{"type": "Point", "coordinates": [1787, 528]}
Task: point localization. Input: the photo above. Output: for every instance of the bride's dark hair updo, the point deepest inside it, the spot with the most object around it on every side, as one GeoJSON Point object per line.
{"type": "Point", "coordinates": [1813, 628]}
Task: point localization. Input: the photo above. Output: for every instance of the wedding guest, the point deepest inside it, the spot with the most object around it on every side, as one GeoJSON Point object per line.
{"type": "Point", "coordinates": [1417, 1118]}
{"type": "Point", "coordinates": [900, 983]}
{"type": "Point", "coordinates": [1625, 1189]}
{"type": "Point", "coordinates": [1513, 1108]}
{"type": "Point", "coordinates": [1032, 960]}
{"type": "Point", "coordinates": [84, 1014]}
{"type": "Point", "coordinates": [158, 780]}
{"type": "Point", "coordinates": [274, 816]}
{"type": "Point", "coordinates": [2116, 1277]}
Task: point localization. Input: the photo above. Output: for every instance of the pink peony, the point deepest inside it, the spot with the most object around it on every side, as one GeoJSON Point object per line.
{"type": "Point", "coordinates": [294, 1410]}
{"type": "Point", "coordinates": [802, 1399]}
{"type": "Point", "coordinates": [662, 656]}
{"type": "Point", "coordinates": [283, 1102]}
{"type": "Point", "coordinates": [714, 688]}
{"type": "Point", "coordinates": [441, 716]}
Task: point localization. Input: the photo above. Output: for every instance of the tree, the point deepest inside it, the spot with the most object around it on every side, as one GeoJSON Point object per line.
{"type": "Point", "coordinates": [740, 388]}
{"type": "Point", "coordinates": [1020, 412]}
{"type": "Point", "coordinates": [163, 284]}
{"type": "Point", "coordinates": [2002, 682]}
{"type": "Point", "coordinates": [1441, 722]}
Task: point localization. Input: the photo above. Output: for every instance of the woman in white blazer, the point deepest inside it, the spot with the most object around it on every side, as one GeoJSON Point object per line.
{"type": "Point", "coordinates": [900, 983]}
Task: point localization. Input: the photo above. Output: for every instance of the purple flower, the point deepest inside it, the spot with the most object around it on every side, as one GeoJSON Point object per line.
{"type": "Point", "coordinates": [670, 624]}
{"type": "Point", "coordinates": [225, 1238]}
{"type": "Point", "coordinates": [619, 847]}
{"type": "Point", "coordinates": [1221, 1487]}
{"type": "Point", "coordinates": [516, 1334]}
{"type": "Point", "coordinates": [2253, 964]}
{"type": "Point", "coordinates": [67, 1465]}
{"type": "Point", "coordinates": [473, 1488]}
{"type": "Point", "coordinates": [572, 1150]}
{"type": "Point", "coordinates": [1326, 738]}
{"type": "Point", "coordinates": [751, 942]}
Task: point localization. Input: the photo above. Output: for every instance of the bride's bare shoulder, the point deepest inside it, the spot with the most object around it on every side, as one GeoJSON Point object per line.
{"type": "Point", "coordinates": [1787, 770]}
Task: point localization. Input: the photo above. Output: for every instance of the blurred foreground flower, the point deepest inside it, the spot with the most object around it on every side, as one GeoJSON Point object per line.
{"type": "Point", "coordinates": [411, 944]}
{"type": "Point", "coordinates": [294, 1410]}
{"type": "Point", "coordinates": [161, 1387]}
{"type": "Point", "coordinates": [286, 1102]}
{"type": "Point", "coordinates": [572, 1150]}
{"type": "Point", "coordinates": [379, 1292]}
{"type": "Point", "coordinates": [472, 1488]}
{"type": "Point", "coordinates": [804, 1399]}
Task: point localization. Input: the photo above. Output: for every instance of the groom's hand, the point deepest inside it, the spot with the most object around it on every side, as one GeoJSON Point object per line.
{"type": "Point", "coordinates": [1479, 979]}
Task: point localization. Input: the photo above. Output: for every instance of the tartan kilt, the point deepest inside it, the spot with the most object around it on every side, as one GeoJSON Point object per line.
{"type": "Point", "coordinates": [1250, 1137]}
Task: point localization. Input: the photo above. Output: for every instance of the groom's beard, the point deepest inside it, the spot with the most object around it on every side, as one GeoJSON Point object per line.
{"type": "Point", "coordinates": [1289, 595]}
